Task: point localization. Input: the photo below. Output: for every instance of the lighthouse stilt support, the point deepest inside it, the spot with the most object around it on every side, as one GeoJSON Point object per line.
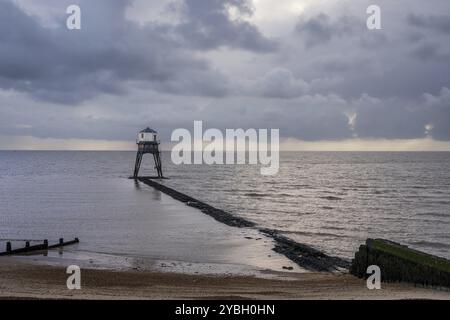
{"type": "Point", "coordinates": [158, 165]}
{"type": "Point", "coordinates": [137, 164]}
{"type": "Point", "coordinates": [156, 158]}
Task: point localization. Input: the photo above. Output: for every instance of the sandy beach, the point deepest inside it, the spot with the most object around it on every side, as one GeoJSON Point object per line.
{"type": "Point", "coordinates": [19, 279]}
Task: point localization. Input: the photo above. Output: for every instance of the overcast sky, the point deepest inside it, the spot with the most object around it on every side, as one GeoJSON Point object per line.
{"type": "Point", "coordinates": [308, 67]}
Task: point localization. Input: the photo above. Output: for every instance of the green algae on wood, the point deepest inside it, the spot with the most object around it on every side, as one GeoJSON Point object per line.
{"type": "Point", "coordinates": [398, 263]}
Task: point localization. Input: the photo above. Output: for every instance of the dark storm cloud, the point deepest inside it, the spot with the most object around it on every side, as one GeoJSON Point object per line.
{"type": "Point", "coordinates": [389, 120]}
{"type": "Point", "coordinates": [430, 51]}
{"type": "Point", "coordinates": [208, 25]}
{"type": "Point", "coordinates": [71, 66]}
{"type": "Point", "coordinates": [342, 56]}
{"type": "Point", "coordinates": [313, 123]}
{"type": "Point", "coordinates": [395, 118]}
{"type": "Point", "coordinates": [439, 23]}
{"type": "Point", "coordinates": [281, 83]}
{"type": "Point", "coordinates": [431, 38]}
{"type": "Point", "coordinates": [321, 29]}
{"type": "Point", "coordinates": [438, 111]}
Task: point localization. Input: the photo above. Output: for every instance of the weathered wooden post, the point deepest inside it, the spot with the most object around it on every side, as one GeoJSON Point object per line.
{"type": "Point", "coordinates": [46, 243]}
{"type": "Point", "coordinates": [27, 244]}
{"type": "Point", "coordinates": [8, 247]}
{"type": "Point", "coordinates": [61, 241]}
{"type": "Point", "coordinates": [147, 143]}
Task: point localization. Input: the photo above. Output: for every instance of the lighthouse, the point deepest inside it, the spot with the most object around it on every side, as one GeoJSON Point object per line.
{"type": "Point", "coordinates": [147, 142]}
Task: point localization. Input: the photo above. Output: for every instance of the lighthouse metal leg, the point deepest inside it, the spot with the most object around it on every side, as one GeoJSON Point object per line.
{"type": "Point", "coordinates": [137, 165]}
{"type": "Point", "coordinates": [158, 165]}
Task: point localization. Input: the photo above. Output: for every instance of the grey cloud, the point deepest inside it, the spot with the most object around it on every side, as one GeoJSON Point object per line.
{"type": "Point", "coordinates": [281, 83]}
{"type": "Point", "coordinates": [388, 119]}
{"type": "Point", "coordinates": [310, 122]}
{"type": "Point", "coordinates": [395, 118]}
{"type": "Point", "coordinates": [430, 51]}
{"type": "Point", "coordinates": [310, 117]}
{"type": "Point", "coordinates": [439, 23]}
{"type": "Point", "coordinates": [373, 40]}
{"type": "Point", "coordinates": [321, 29]}
{"type": "Point", "coordinates": [208, 25]}
{"type": "Point", "coordinates": [72, 66]}
{"type": "Point", "coordinates": [438, 110]}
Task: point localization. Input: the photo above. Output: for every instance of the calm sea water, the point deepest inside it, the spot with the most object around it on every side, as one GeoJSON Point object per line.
{"type": "Point", "coordinates": [332, 201]}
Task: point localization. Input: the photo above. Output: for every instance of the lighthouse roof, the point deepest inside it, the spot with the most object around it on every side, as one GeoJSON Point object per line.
{"type": "Point", "coordinates": [148, 130]}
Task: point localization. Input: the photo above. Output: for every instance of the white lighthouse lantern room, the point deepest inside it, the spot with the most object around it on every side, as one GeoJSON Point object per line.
{"type": "Point", "coordinates": [147, 135]}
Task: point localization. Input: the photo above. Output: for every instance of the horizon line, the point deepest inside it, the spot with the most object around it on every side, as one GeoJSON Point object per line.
{"type": "Point", "coordinates": [118, 150]}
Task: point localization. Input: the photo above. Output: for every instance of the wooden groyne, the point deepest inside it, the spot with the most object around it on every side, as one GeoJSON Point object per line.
{"type": "Point", "coordinates": [303, 255]}
{"type": "Point", "coordinates": [63, 243]}
{"type": "Point", "coordinates": [39, 247]}
{"type": "Point", "coordinates": [399, 263]}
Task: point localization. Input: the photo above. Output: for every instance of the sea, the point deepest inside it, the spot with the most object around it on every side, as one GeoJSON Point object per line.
{"type": "Point", "coordinates": [332, 201]}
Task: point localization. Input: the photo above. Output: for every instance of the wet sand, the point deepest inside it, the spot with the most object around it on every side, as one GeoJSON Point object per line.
{"type": "Point", "coordinates": [123, 218]}
{"type": "Point", "coordinates": [19, 279]}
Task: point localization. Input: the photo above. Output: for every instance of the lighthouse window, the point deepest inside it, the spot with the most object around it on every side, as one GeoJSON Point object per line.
{"type": "Point", "coordinates": [142, 136]}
